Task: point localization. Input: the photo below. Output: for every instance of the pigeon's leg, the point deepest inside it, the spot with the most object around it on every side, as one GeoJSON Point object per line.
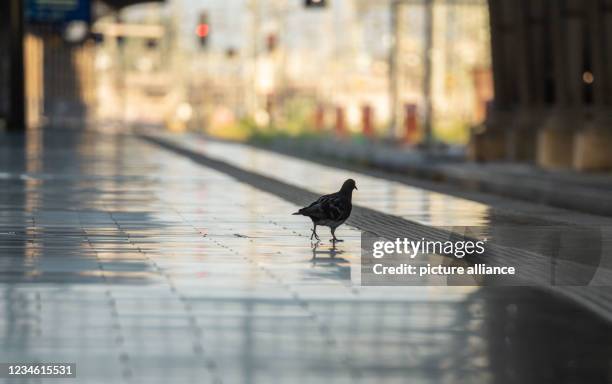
{"type": "Point", "coordinates": [314, 233]}
{"type": "Point", "coordinates": [335, 239]}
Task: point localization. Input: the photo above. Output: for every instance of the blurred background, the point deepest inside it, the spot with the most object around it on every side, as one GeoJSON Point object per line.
{"type": "Point", "coordinates": [402, 71]}
{"type": "Point", "coordinates": [487, 81]}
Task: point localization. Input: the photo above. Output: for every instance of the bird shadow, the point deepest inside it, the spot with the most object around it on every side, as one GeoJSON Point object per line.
{"type": "Point", "coordinates": [328, 253]}
{"type": "Point", "coordinates": [327, 261]}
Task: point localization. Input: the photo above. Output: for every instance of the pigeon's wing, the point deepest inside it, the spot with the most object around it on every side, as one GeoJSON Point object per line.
{"type": "Point", "coordinates": [329, 207]}
{"type": "Point", "coordinates": [318, 209]}
{"type": "Point", "coordinates": [336, 208]}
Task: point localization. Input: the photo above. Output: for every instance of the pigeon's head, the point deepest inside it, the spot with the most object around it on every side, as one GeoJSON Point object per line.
{"type": "Point", "coordinates": [348, 186]}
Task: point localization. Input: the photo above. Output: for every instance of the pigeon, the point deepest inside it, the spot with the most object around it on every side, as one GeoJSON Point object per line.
{"type": "Point", "coordinates": [330, 210]}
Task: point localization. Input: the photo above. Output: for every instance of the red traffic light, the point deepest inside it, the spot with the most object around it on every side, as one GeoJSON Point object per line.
{"type": "Point", "coordinates": [202, 30]}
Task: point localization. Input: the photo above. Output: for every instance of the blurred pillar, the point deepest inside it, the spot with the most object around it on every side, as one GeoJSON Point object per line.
{"type": "Point", "coordinates": [12, 14]}
{"type": "Point", "coordinates": [33, 47]}
{"type": "Point", "coordinates": [604, 45]}
{"type": "Point", "coordinates": [4, 62]}
{"type": "Point", "coordinates": [539, 73]}
{"type": "Point", "coordinates": [552, 70]}
{"type": "Point", "coordinates": [491, 142]}
{"type": "Point", "coordinates": [483, 88]}
{"type": "Point", "coordinates": [270, 110]}
{"type": "Point", "coordinates": [340, 125]}
{"type": "Point", "coordinates": [410, 123]}
{"type": "Point", "coordinates": [392, 71]}
{"type": "Point", "coordinates": [319, 118]}
{"type": "Point", "coordinates": [63, 77]}
{"type": "Point", "coordinates": [502, 51]}
{"type": "Point", "coordinates": [539, 51]}
{"type": "Point", "coordinates": [367, 120]}
{"type": "Point", "coordinates": [593, 143]}
{"type": "Point", "coordinates": [555, 138]}
{"type": "Point", "coordinates": [427, 76]}
{"type": "Point", "coordinates": [521, 140]}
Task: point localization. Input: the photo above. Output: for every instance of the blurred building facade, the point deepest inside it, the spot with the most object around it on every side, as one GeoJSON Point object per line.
{"type": "Point", "coordinates": [288, 66]}
{"type": "Point", "coordinates": [57, 77]}
{"type": "Point", "coordinates": [552, 68]}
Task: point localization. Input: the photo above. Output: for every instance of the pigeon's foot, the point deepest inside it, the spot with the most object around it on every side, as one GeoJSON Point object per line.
{"type": "Point", "coordinates": [314, 234]}
{"type": "Point", "coordinates": [334, 239]}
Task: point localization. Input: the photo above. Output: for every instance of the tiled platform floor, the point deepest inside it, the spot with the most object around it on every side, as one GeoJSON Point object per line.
{"type": "Point", "coordinates": [144, 267]}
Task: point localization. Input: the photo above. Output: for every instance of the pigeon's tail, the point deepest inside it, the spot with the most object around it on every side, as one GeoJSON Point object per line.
{"type": "Point", "coordinates": [296, 213]}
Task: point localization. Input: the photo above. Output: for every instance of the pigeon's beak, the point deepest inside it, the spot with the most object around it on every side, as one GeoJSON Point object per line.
{"type": "Point", "coordinates": [356, 188]}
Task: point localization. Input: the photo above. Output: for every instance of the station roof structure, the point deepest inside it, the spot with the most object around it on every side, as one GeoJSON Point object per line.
{"type": "Point", "coordinates": [124, 3]}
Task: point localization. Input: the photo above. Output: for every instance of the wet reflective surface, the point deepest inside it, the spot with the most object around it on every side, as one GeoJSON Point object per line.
{"type": "Point", "coordinates": [144, 267]}
{"type": "Point", "coordinates": [389, 197]}
{"type": "Point", "coordinates": [415, 204]}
